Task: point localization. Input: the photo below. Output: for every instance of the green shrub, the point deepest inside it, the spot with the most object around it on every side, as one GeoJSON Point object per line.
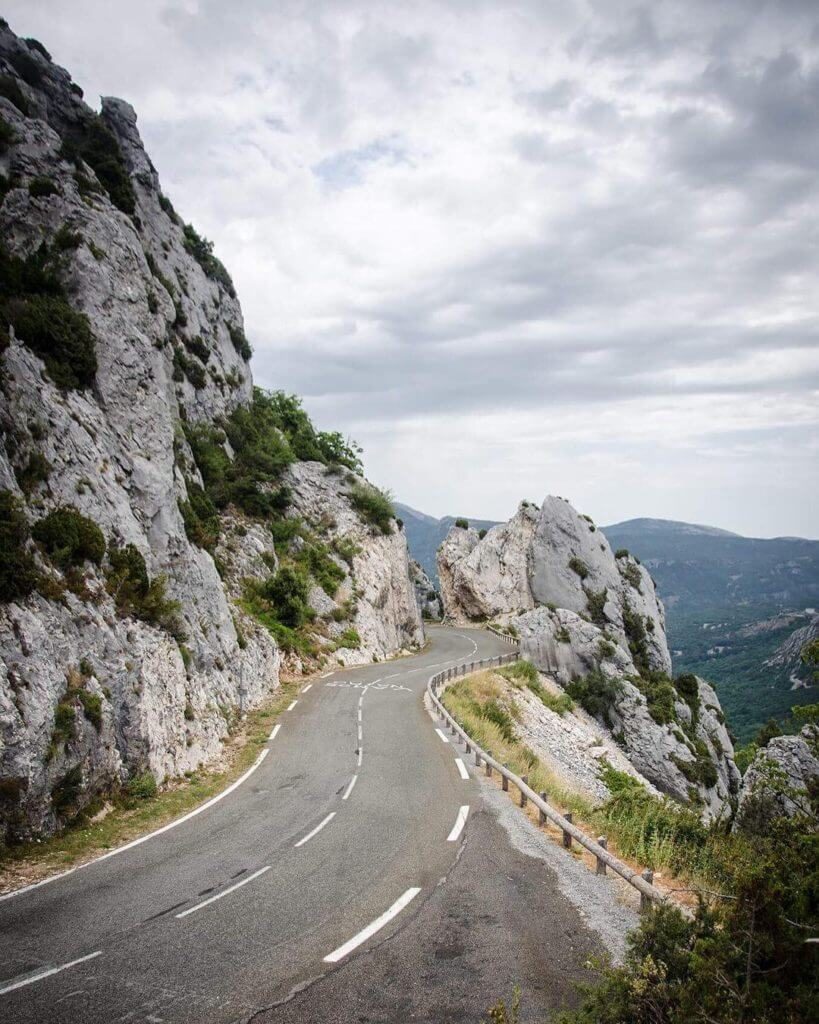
{"type": "Point", "coordinates": [35, 471]}
{"type": "Point", "coordinates": [92, 141]}
{"type": "Point", "coordinates": [135, 594]}
{"type": "Point", "coordinates": [283, 531]}
{"type": "Point", "coordinates": [462, 524]}
{"type": "Point", "coordinates": [631, 574]}
{"type": "Point", "coordinates": [596, 604]}
{"type": "Point", "coordinates": [688, 688]}
{"type": "Point", "coordinates": [621, 553]}
{"type": "Point", "coordinates": [596, 693]}
{"type": "Point", "coordinates": [636, 635]}
{"type": "Point", "coordinates": [190, 368]}
{"type": "Point", "coordinates": [287, 592]}
{"type": "Point", "coordinates": [42, 187]}
{"type": "Point", "coordinates": [660, 695]}
{"type": "Point", "coordinates": [349, 639]}
{"type": "Point", "coordinates": [8, 136]}
{"type": "Point", "coordinates": [69, 538]}
{"type": "Point", "coordinates": [18, 572]}
{"type": "Point", "coordinates": [64, 717]}
{"type": "Point", "coordinates": [92, 707]}
{"type": "Point", "coordinates": [60, 335]}
{"type": "Point", "coordinates": [373, 505]}
{"type": "Point", "coordinates": [35, 44]}
{"type": "Point", "coordinates": [142, 786]}
{"type": "Point", "coordinates": [12, 91]}
{"type": "Point", "coordinates": [198, 347]}
{"type": "Point", "coordinates": [346, 549]}
{"type": "Point", "coordinates": [493, 711]}
{"type": "Point", "coordinates": [315, 558]}
{"type": "Point", "coordinates": [202, 251]}
{"type": "Point", "coordinates": [200, 517]}
{"type": "Point", "coordinates": [26, 67]}
{"type": "Point", "coordinates": [337, 451]}
{"type": "Point", "coordinates": [240, 342]}
{"type": "Point", "coordinates": [66, 239]}
{"type": "Point", "coordinates": [579, 566]}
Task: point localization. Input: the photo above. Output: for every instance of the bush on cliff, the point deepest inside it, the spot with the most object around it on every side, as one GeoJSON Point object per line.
{"type": "Point", "coordinates": [136, 594]}
{"type": "Point", "coordinates": [373, 505]}
{"type": "Point", "coordinates": [69, 538]}
{"type": "Point", "coordinates": [92, 141]}
{"type": "Point", "coordinates": [595, 693]}
{"type": "Point", "coordinates": [18, 572]}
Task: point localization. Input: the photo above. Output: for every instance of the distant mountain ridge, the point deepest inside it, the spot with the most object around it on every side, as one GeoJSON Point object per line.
{"type": "Point", "coordinates": [425, 533]}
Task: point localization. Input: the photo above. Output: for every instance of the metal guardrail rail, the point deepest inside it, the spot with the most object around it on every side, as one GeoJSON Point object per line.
{"type": "Point", "coordinates": [437, 683]}
{"type": "Point", "coordinates": [504, 636]}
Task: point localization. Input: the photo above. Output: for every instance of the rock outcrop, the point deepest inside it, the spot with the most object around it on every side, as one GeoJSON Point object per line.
{"type": "Point", "coordinates": [123, 649]}
{"type": "Point", "coordinates": [427, 597]}
{"type": "Point", "coordinates": [594, 623]}
{"type": "Point", "coordinates": [783, 778]}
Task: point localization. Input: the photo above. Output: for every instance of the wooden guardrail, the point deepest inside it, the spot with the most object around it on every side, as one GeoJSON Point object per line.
{"type": "Point", "coordinates": [641, 881]}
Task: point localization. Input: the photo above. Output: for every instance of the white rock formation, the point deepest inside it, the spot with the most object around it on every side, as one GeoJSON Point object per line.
{"type": "Point", "coordinates": [781, 776]}
{"type": "Point", "coordinates": [427, 597]}
{"type": "Point", "coordinates": [117, 452]}
{"type": "Point", "coordinates": [580, 612]}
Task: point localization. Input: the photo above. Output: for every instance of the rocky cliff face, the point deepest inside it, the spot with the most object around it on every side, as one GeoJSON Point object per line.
{"type": "Point", "coordinates": [427, 597]}
{"type": "Point", "coordinates": [594, 623]}
{"type": "Point", "coordinates": [125, 642]}
{"type": "Point", "coordinates": [783, 778]}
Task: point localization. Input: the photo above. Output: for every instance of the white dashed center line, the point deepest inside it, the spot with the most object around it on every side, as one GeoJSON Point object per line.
{"type": "Point", "coordinates": [316, 830]}
{"type": "Point", "coordinates": [458, 827]}
{"type": "Point", "coordinates": [371, 929]}
{"type": "Point", "coordinates": [226, 892]}
{"type": "Point", "coordinates": [47, 973]}
{"type": "Point", "coordinates": [353, 781]}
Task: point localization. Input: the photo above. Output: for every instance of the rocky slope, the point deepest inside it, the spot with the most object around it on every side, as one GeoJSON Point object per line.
{"type": "Point", "coordinates": [138, 494]}
{"type": "Point", "coordinates": [428, 598]}
{"type": "Point", "coordinates": [783, 778]}
{"type": "Point", "coordinates": [594, 623]}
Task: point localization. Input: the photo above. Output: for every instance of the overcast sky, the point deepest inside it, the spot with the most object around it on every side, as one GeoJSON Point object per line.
{"type": "Point", "coordinates": [512, 248]}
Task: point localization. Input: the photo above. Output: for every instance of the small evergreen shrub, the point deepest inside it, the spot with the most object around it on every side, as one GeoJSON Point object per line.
{"type": "Point", "coordinates": [12, 91]}
{"type": "Point", "coordinates": [66, 792]}
{"type": "Point", "coordinates": [596, 693]}
{"type": "Point", "coordinates": [578, 566]}
{"type": "Point", "coordinates": [66, 239]}
{"type": "Point", "coordinates": [92, 707]}
{"type": "Point", "coordinates": [315, 558]}
{"type": "Point", "coordinates": [60, 335]}
{"type": "Point", "coordinates": [35, 44]}
{"type": "Point", "coordinates": [349, 639]}
{"type": "Point", "coordinates": [637, 643]}
{"type": "Point", "coordinates": [373, 505]}
{"type": "Point", "coordinates": [631, 574]}
{"type": "Point", "coordinates": [202, 251]}
{"type": "Point", "coordinates": [135, 594]}
{"type": "Point", "coordinates": [26, 67]}
{"type": "Point", "coordinates": [8, 136]}
{"type": "Point", "coordinates": [287, 593]}
{"type": "Point", "coordinates": [92, 141]}
{"type": "Point", "coordinates": [198, 347]}
{"type": "Point", "coordinates": [621, 553]}
{"type": "Point", "coordinates": [660, 694]}
{"type": "Point", "coordinates": [42, 187]}
{"type": "Point", "coordinates": [200, 517]}
{"type": "Point", "coordinates": [69, 538]}
{"type": "Point", "coordinates": [481, 534]}
{"type": "Point", "coordinates": [596, 604]}
{"type": "Point", "coordinates": [240, 342]}
{"type": "Point", "coordinates": [142, 786]}
{"type": "Point", "coordinates": [35, 471]}
{"type": "Point", "coordinates": [462, 524]}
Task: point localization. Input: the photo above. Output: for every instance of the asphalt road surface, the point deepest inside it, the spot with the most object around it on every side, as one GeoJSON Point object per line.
{"type": "Point", "coordinates": [354, 875]}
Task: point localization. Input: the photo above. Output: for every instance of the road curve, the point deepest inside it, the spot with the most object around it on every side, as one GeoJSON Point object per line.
{"type": "Point", "coordinates": [338, 841]}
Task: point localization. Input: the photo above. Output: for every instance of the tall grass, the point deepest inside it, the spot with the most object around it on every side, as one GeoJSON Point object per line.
{"type": "Point", "coordinates": [656, 832]}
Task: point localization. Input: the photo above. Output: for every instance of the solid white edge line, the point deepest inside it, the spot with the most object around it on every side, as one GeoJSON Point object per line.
{"type": "Point", "coordinates": [225, 892]}
{"type": "Point", "coordinates": [458, 827]}
{"type": "Point", "coordinates": [47, 973]}
{"type": "Point", "coordinates": [306, 688]}
{"type": "Point", "coordinates": [461, 768]}
{"type": "Point", "coordinates": [316, 830]}
{"type": "Point", "coordinates": [443, 735]}
{"type": "Point", "coordinates": [151, 835]}
{"type": "Point", "coordinates": [293, 704]}
{"type": "Point", "coordinates": [371, 929]}
{"type": "Point", "coordinates": [353, 781]}
{"type": "Point", "coordinates": [276, 728]}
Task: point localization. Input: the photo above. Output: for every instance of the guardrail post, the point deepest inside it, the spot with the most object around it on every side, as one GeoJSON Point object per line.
{"type": "Point", "coordinates": [488, 768]}
{"type": "Point", "coordinates": [645, 901]}
{"type": "Point", "coordinates": [524, 778]}
{"type": "Point", "coordinates": [477, 759]}
{"type": "Point", "coordinates": [567, 836]}
{"type": "Point", "coordinates": [505, 783]}
{"type": "Point", "coordinates": [601, 864]}
{"type": "Point", "coordinates": [468, 747]}
{"type": "Point", "coordinates": [541, 817]}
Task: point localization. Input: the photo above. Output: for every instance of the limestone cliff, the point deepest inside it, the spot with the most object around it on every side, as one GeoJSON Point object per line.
{"type": "Point", "coordinates": [592, 621]}
{"type": "Point", "coordinates": [141, 501]}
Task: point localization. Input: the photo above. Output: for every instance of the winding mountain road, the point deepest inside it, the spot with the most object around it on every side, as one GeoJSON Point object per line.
{"type": "Point", "coordinates": [354, 875]}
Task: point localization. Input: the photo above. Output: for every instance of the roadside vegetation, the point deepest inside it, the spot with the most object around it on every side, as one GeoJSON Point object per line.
{"type": "Point", "coordinates": [140, 805]}
{"type": "Point", "coordinates": [742, 956]}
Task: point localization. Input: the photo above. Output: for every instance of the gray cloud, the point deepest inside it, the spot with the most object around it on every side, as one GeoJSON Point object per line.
{"type": "Point", "coordinates": [513, 248]}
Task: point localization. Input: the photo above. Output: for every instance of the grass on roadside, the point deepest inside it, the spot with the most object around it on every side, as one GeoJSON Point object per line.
{"type": "Point", "coordinates": [655, 832]}
{"type": "Point", "coordinates": [133, 815]}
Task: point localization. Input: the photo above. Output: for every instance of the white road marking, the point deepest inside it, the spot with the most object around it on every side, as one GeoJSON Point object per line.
{"type": "Point", "coordinates": [443, 735]}
{"type": "Point", "coordinates": [353, 781]}
{"type": "Point", "coordinates": [458, 827]}
{"type": "Point", "coordinates": [306, 688]}
{"type": "Point", "coordinates": [316, 830]}
{"type": "Point", "coordinates": [360, 754]}
{"type": "Point", "coordinates": [151, 835]}
{"type": "Point", "coordinates": [462, 768]}
{"type": "Point", "coordinates": [292, 705]}
{"type": "Point", "coordinates": [371, 929]}
{"type": "Point", "coordinates": [225, 892]}
{"type": "Point", "coordinates": [47, 973]}
{"type": "Point", "coordinates": [359, 713]}
{"type": "Point", "coordinates": [276, 728]}
{"type": "Point", "coordinates": [360, 734]}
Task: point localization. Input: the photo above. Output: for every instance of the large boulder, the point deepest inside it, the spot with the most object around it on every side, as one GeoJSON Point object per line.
{"type": "Point", "coordinates": [783, 778]}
